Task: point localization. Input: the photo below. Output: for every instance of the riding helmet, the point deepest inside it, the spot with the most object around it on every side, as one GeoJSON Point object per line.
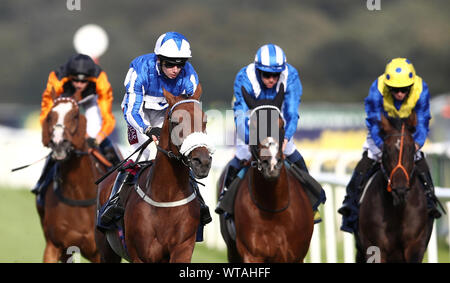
{"type": "Point", "coordinates": [399, 73]}
{"type": "Point", "coordinates": [270, 58]}
{"type": "Point", "coordinates": [173, 45]}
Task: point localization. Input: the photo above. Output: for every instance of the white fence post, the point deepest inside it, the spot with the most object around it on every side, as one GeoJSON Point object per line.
{"type": "Point", "coordinates": [330, 227]}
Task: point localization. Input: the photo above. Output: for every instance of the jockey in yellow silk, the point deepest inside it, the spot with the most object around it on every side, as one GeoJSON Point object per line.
{"type": "Point", "coordinates": [396, 93]}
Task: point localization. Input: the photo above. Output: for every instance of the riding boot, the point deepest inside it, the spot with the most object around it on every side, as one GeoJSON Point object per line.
{"type": "Point", "coordinates": [205, 216]}
{"type": "Point", "coordinates": [425, 177]}
{"type": "Point", "coordinates": [113, 208]}
{"type": "Point", "coordinates": [297, 159]}
{"type": "Point", "coordinates": [352, 191]}
{"type": "Point", "coordinates": [229, 177]}
{"type": "Point", "coordinates": [350, 206]}
{"type": "Point", "coordinates": [108, 150]}
{"type": "Point", "coordinates": [49, 162]}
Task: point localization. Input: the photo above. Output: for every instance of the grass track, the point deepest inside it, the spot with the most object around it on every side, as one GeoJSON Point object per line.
{"type": "Point", "coordinates": [22, 239]}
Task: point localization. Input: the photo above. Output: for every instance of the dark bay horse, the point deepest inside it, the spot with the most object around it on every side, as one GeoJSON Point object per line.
{"type": "Point", "coordinates": [393, 213]}
{"type": "Point", "coordinates": [272, 214]}
{"type": "Point", "coordinates": [68, 212]}
{"type": "Point", "coordinates": [161, 211]}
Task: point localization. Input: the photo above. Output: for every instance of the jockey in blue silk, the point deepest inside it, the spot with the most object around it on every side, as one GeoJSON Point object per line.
{"type": "Point", "coordinates": [396, 93]}
{"type": "Point", "coordinates": [144, 105]}
{"type": "Point", "coordinates": [262, 80]}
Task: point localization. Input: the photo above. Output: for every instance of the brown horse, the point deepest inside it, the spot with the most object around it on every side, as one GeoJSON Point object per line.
{"type": "Point", "coordinates": [68, 214]}
{"type": "Point", "coordinates": [161, 211]}
{"type": "Point", "coordinates": [272, 214]}
{"type": "Point", "coordinates": [393, 217]}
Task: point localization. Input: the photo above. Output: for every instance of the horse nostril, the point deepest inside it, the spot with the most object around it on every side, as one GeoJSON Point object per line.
{"type": "Point", "coordinates": [195, 161]}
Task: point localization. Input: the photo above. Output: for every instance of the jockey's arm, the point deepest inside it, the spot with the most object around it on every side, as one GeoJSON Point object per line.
{"type": "Point", "coordinates": [104, 101]}
{"type": "Point", "coordinates": [292, 99]}
{"type": "Point", "coordinates": [423, 115]}
{"type": "Point", "coordinates": [240, 108]}
{"type": "Point", "coordinates": [374, 108]}
{"type": "Point", "coordinates": [134, 101]}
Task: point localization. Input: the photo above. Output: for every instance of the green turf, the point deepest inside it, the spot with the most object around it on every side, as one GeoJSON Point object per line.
{"type": "Point", "coordinates": [22, 239]}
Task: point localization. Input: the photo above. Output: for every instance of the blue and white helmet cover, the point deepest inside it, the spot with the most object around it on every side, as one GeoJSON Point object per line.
{"type": "Point", "coordinates": [270, 58]}
{"type": "Point", "coordinates": [173, 45]}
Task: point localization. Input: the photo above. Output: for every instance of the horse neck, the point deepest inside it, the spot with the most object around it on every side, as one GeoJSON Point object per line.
{"type": "Point", "coordinates": [78, 176]}
{"type": "Point", "coordinates": [270, 194]}
{"type": "Point", "coordinates": [170, 177]}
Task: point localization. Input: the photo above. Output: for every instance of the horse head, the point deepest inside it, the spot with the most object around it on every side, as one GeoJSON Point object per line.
{"type": "Point", "coordinates": [64, 128]}
{"type": "Point", "coordinates": [186, 132]}
{"type": "Point", "coordinates": [398, 154]}
{"type": "Point", "coordinates": [266, 131]}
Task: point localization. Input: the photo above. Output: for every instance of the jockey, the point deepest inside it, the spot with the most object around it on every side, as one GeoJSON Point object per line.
{"type": "Point", "coordinates": [88, 84]}
{"type": "Point", "coordinates": [262, 79]}
{"type": "Point", "coordinates": [396, 93]}
{"type": "Point", "coordinates": [144, 105]}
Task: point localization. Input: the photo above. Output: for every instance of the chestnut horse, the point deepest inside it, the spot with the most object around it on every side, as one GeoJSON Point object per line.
{"type": "Point", "coordinates": [68, 212]}
{"type": "Point", "coordinates": [272, 214]}
{"type": "Point", "coordinates": [161, 212]}
{"type": "Point", "coordinates": [393, 215]}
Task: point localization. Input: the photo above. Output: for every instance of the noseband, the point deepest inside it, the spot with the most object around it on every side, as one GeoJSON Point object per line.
{"type": "Point", "coordinates": [399, 165]}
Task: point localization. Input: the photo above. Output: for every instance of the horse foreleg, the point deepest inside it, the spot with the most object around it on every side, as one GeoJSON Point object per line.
{"type": "Point", "coordinates": [183, 252]}
{"type": "Point", "coordinates": [51, 253]}
{"type": "Point", "coordinates": [105, 252]}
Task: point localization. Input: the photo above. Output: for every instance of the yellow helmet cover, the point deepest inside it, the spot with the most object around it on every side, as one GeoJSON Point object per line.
{"type": "Point", "coordinates": [399, 73]}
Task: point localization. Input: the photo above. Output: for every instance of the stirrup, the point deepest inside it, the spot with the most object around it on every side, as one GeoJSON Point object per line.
{"type": "Point", "coordinates": [219, 209]}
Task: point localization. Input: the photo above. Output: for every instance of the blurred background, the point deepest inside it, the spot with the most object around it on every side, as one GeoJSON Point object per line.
{"type": "Point", "coordinates": [338, 47]}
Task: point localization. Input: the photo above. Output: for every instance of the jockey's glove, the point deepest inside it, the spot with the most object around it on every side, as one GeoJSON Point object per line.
{"type": "Point", "coordinates": [92, 143]}
{"type": "Point", "coordinates": [153, 131]}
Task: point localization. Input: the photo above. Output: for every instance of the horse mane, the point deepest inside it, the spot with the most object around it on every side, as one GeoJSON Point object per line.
{"type": "Point", "coordinates": [397, 123]}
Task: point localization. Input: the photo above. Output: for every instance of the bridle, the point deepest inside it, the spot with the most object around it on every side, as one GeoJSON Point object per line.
{"type": "Point", "coordinates": [399, 165]}
{"type": "Point", "coordinates": [63, 127]}
{"type": "Point", "coordinates": [191, 142]}
{"type": "Point", "coordinates": [75, 104]}
{"type": "Point", "coordinates": [256, 162]}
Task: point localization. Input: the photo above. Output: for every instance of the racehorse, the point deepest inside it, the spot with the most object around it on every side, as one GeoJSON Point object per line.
{"type": "Point", "coordinates": [273, 217]}
{"type": "Point", "coordinates": [161, 212]}
{"type": "Point", "coordinates": [393, 211]}
{"type": "Point", "coordinates": [68, 212]}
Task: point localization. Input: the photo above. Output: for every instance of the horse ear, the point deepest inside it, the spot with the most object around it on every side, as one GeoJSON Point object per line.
{"type": "Point", "coordinates": [385, 124]}
{"type": "Point", "coordinates": [412, 119]}
{"type": "Point", "coordinates": [169, 97]}
{"type": "Point", "coordinates": [278, 101]}
{"type": "Point", "coordinates": [45, 132]}
{"type": "Point", "coordinates": [249, 100]}
{"type": "Point", "coordinates": [197, 93]}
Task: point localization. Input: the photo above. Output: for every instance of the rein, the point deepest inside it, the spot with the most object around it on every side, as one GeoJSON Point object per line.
{"type": "Point", "coordinates": [399, 165]}
{"type": "Point", "coordinates": [183, 158]}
